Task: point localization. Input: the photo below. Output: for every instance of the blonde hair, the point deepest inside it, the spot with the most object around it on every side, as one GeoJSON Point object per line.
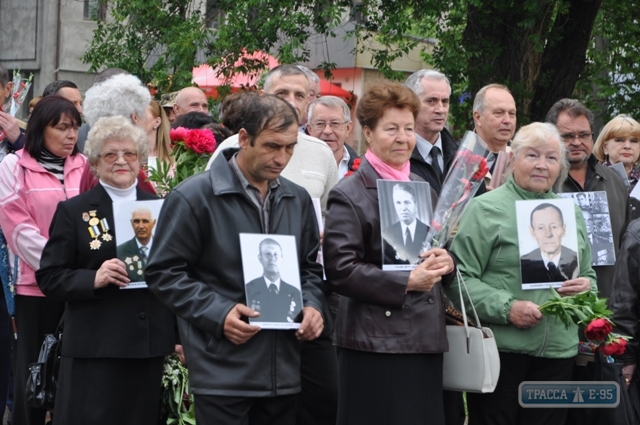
{"type": "Point", "coordinates": [163, 141]}
{"type": "Point", "coordinates": [620, 126]}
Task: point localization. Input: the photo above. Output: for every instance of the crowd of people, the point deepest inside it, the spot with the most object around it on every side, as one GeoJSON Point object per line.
{"type": "Point", "coordinates": [349, 341]}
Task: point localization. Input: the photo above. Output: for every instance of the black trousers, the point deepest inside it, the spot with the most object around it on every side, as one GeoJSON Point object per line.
{"type": "Point", "coordinates": [318, 401]}
{"type": "Point", "coordinates": [214, 410]}
{"type": "Point", "coordinates": [35, 317]}
{"type": "Point", "coordinates": [502, 407]}
{"type": "Point", "coordinates": [390, 389]}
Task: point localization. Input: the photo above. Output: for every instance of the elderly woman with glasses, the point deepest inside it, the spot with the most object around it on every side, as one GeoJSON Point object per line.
{"type": "Point", "coordinates": [115, 340]}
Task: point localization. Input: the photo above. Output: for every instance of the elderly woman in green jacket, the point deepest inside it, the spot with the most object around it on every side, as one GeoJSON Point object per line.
{"type": "Point", "coordinates": [532, 347]}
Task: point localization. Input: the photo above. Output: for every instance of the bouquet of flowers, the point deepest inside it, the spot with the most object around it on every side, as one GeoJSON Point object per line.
{"type": "Point", "coordinates": [467, 172]}
{"type": "Point", "coordinates": [19, 89]}
{"type": "Point", "coordinates": [586, 309]}
{"type": "Point", "coordinates": [191, 150]}
{"type": "Point", "coordinates": [177, 403]}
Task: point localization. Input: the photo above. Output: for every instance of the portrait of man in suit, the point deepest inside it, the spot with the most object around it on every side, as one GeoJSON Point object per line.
{"type": "Point", "coordinates": [407, 235]}
{"type": "Point", "coordinates": [273, 298]}
{"type": "Point", "coordinates": [551, 261]}
{"type": "Point", "coordinates": [602, 252]}
{"type": "Point", "coordinates": [135, 251]}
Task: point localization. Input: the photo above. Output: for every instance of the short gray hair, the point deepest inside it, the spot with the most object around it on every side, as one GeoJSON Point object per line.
{"type": "Point", "coordinates": [117, 128]}
{"type": "Point", "coordinates": [535, 134]}
{"type": "Point", "coordinates": [479, 101]}
{"type": "Point", "coordinates": [282, 70]}
{"type": "Point", "coordinates": [330, 102]}
{"type": "Point", "coordinates": [311, 76]}
{"type": "Point", "coordinates": [121, 94]}
{"type": "Point", "coordinates": [414, 81]}
{"type": "Point", "coordinates": [573, 107]}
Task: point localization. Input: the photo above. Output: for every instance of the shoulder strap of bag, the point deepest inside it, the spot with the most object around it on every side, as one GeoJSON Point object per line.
{"type": "Point", "coordinates": [461, 283]}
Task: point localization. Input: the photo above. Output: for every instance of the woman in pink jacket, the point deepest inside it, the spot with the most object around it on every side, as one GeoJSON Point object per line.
{"type": "Point", "coordinates": [32, 182]}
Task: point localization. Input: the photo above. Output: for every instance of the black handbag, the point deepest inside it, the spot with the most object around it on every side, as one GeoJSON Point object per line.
{"type": "Point", "coordinates": [41, 386]}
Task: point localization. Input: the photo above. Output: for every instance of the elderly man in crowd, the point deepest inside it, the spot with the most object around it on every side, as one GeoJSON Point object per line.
{"type": "Point", "coordinates": [313, 167]}
{"type": "Point", "coordinates": [435, 146]}
{"type": "Point", "coordinates": [494, 116]}
{"type": "Point", "coordinates": [190, 99]}
{"type": "Point", "coordinates": [329, 120]}
{"type": "Point", "coordinates": [575, 124]}
{"type": "Point", "coordinates": [68, 90]}
{"type": "Point", "coordinates": [11, 129]}
{"type": "Point", "coordinates": [240, 374]}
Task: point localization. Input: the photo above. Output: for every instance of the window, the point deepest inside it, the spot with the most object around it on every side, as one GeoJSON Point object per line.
{"type": "Point", "coordinates": [95, 10]}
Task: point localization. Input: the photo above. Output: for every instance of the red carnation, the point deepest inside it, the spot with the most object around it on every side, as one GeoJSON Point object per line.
{"type": "Point", "coordinates": [615, 347]}
{"type": "Point", "coordinates": [178, 134]}
{"type": "Point", "coordinates": [200, 141]}
{"type": "Point", "coordinates": [598, 330]}
{"type": "Point", "coordinates": [354, 167]}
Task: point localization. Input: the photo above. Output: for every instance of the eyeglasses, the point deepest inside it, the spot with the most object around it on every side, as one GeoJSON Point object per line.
{"type": "Point", "coordinates": [583, 137]}
{"type": "Point", "coordinates": [320, 125]}
{"type": "Point", "coordinates": [111, 157]}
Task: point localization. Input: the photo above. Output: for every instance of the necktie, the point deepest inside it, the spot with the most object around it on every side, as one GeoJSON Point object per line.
{"type": "Point", "coordinates": [435, 151]}
{"type": "Point", "coordinates": [143, 253]}
{"type": "Point", "coordinates": [407, 238]}
{"type": "Point", "coordinates": [552, 268]}
{"type": "Point", "coordinates": [273, 288]}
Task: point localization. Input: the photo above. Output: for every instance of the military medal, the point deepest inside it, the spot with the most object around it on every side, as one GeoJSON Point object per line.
{"type": "Point", "coordinates": [97, 228]}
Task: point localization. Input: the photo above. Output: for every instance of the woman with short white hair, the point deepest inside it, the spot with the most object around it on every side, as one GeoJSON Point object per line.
{"type": "Point", "coordinates": [114, 340]}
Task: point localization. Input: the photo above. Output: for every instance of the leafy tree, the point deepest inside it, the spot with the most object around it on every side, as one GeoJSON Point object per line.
{"type": "Point", "coordinates": [541, 49]}
{"type": "Point", "coordinates": [157, 40]}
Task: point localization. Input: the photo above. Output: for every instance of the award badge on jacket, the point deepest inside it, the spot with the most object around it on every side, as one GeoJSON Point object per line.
{"type": "Point", "coordinates": [272, 280]}
{"type": "Point", "coordinates": [134, 223]}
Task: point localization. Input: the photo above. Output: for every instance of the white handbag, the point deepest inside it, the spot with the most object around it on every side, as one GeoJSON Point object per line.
{"type": "Point", "coordinates": [472, 363]}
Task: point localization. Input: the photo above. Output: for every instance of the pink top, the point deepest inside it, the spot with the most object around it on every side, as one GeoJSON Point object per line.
{"type": "Point", "coordinates": [29, 196]}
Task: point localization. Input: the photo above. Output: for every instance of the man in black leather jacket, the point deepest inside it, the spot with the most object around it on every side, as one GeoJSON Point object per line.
{"type": "Point", "coordinates": [238, 373]}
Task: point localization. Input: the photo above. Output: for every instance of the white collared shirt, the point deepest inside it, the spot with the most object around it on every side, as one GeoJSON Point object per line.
{"type": "Point", "coordinates": [546, 260]}
{"type": "Point", "coordinates": [424, 147]}
{"type": "Point", "coordinates": [276, 282]}
{"type": "Point", "coordinates": [148, 245]}
{"type": "Point", "coordinates": [343, 165]}
{"type": "Point", "coordinates": [412, 231]}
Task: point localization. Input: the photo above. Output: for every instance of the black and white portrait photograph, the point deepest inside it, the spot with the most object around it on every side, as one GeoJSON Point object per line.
{"type": "Point", "coordinates": [135, 222]}
{"type": "Point", "coordinates": [595, 210]}
{"type": "Point", "coordinates": [405, 211]}
{"type": "Point", "coordinates": [548, 242]}
{"type": "Point", "coordinates": [272, 280]}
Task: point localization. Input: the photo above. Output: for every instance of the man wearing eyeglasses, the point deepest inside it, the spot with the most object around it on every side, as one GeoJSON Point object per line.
{"type": "Point", "coordinates": [435, 146]}
{"type": "Point", "coordinates": [330, 121]}
{"type": "Point", "coordinates": [575, 125]}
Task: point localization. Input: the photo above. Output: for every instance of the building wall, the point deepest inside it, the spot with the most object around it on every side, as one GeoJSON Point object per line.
{"type": "Point", "coordinates": [32, 28]}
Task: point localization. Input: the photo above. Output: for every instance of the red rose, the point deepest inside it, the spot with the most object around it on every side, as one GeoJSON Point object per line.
{"type": "Point", "coordinates": [436, 225]}
{"type": "Point", "coordinates": [178, 134]}
{"type": "Point", "coordinates": [200, 141]}
{"type": "Point", "coordinates": [615, 348]}
{"type": "Point", "coordinates": [598, 330]}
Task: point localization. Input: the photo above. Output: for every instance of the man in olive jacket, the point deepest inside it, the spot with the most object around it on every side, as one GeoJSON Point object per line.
{"type": "Point", "coordinates": [238, 373]}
